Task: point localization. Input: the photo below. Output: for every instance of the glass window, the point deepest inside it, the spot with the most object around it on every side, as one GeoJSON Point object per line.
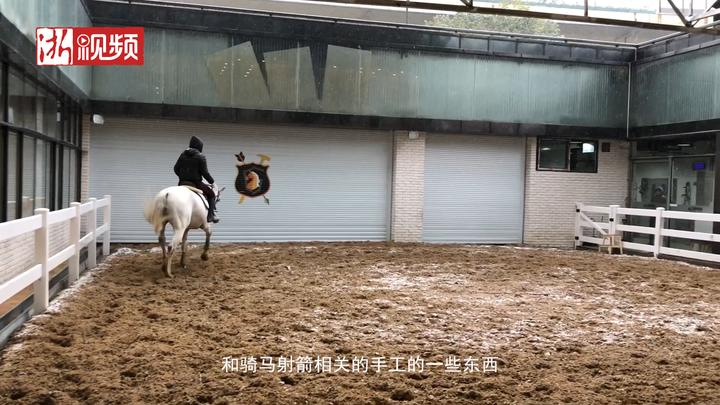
{"type": "Point", "coordinates": [29, 105]}
{"type": "Point", "coordinates": [567, 155]}
{"type": "Point", "coordinates": [22, 101]}
{"type": "Point", "coordinates": [42, 171]}
{"type": "Point", "coordinates": [71, 124]}
{"type": "Point", "coordinates": [2, 99]}
{"type": "Point", "coordinates": [48, 113]}
{"type": "Point", "coordinates": [72, 188]}
{"type": "Point", "coordinates": [15, 95]}
{"type": "Point", "coordinates": [28, 176]}
{"type": "Point", "coordinates": [57, 175]}
{"type": "Point", "coordinates": [12, 177]}
{"type": "Point", "coordinates": [58, 119]}
{"type": "Point", "coordinates": [40, 106]}
{"type": "Point", "coordinates": [76, 127]}
{"type": "Point", "coordinates": [65, 121]}
{"type": "Point", "coordinates": [78, 140]}
{"type": "Point", "coordinates": [583, 156]}
{"type": "Point", "coordinates": [67, 179]}
{"type": "Point", "coordinates": [552, 154]}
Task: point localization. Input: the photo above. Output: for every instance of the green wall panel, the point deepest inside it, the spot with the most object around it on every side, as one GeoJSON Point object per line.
{"type": "Point", "coordinates": [212, 69]}
{"type": "Point", "coordinates": [676, 89]}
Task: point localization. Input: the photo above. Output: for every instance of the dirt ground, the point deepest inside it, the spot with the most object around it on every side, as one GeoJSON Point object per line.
{"type": "Point", "coordinates": [565, 326]}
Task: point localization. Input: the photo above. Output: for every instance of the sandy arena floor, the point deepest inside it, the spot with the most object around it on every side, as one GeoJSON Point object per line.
{"type": "Point", "coordinates": [575, 327]}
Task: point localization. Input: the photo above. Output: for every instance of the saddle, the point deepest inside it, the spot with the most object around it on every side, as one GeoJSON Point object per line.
{"type": "Point", "coordinates": [200, 194]}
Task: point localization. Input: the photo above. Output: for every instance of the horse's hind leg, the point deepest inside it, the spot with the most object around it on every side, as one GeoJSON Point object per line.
{"type": "Point", "coordinates": [208, 233]}
{"type": "Point", "coordinates": [184, 246]}
{"type": "Point", "coordinates": [176, 243]}
{"type": "Point", "coordinates": [168, 262]}
{"type": "Point", "coordinates": [163, 246]}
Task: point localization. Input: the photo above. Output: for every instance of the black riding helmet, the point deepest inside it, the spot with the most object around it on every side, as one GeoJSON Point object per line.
{"type": "Point", "coordinates": [196, 143]}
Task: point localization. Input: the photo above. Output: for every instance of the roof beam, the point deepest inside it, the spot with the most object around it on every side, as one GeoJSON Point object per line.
{"type": "Point", "coordinates": [710, 12]}
{"type": "Point", "coordinates": [522, 13]}
{"type": "Point", "coordinates": [679, 13]}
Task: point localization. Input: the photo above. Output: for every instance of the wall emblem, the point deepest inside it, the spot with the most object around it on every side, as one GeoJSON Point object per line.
{"type": "Point", "coordinates": [252, 179]}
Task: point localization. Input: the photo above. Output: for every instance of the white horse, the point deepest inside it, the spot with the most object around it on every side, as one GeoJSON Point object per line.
{"type": "Point", "coordinates": [184, 209]}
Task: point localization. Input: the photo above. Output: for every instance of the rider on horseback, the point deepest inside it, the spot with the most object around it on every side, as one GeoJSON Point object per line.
{"type": "Point", "coordinates": [191, 168]}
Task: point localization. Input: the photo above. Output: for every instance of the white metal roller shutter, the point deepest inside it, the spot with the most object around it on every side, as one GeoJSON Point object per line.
{"type": "Point", "coordinates": [474, 189]}
{"type": "Point", "coordinates": [326, 184]}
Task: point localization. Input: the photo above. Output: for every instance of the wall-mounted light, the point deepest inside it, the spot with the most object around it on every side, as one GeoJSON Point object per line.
{"type": "Point", "coordinates": [413, 135]}
{"type": "Point", "coordinates": [98, 119]}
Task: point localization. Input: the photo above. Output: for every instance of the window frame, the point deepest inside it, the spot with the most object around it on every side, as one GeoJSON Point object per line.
{"type": "Point", "coordinates": [67, 135]}
{"type": "Point", "coordinates": [567, 141]}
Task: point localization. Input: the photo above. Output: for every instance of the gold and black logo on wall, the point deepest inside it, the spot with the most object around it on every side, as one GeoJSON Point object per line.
{"type": "Point", "coordinates": [252, 179]}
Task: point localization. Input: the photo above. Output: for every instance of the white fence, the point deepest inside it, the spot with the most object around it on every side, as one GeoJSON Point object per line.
{"type": "Point", "coordinates": [611, 224]}
{"type": "Point", "coordinates": [39, 274]}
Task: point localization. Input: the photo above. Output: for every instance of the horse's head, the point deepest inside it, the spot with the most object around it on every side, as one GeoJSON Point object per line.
{"type": "Point", "coordinates": [217, 191]}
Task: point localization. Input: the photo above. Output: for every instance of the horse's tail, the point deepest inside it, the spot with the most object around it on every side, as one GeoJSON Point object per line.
{"type": "Point", "coordinates": [156, 211]}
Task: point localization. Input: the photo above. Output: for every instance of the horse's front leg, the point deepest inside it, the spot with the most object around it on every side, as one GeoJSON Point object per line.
{"type": "Point", "coordinates": [208, 233]}
{"type": "Point", "coordinates": [184, 246]}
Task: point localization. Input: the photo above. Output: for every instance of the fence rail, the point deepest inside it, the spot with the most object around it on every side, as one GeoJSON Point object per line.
{"type": "Point", "coordinates": [610, 224]}
{"type": "Point", "coordinates": [38, 275]}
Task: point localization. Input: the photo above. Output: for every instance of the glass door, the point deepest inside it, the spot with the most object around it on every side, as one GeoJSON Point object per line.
{"type": "Point", "coordinates": [692, 189]}
{"type": "Point", "coordinates": [693, 181]}
{"type": "Point", "coordinates": [674, 183]}
{"type": "Point", "coordinates": [650, 186]}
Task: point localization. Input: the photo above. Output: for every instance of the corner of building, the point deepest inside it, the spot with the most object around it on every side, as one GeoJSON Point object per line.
{"type": "Point", "coordinates": [550, 196]}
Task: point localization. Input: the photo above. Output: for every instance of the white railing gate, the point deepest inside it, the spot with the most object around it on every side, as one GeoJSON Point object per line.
{"type": "Point", "coordinates": [659, 231]}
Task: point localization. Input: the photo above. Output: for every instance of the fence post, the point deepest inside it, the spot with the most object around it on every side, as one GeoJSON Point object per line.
{"type": "Point", "coordinates": [74, 264]}
{"type": "Point", "coordinates": [658, 230]}
{"type": "Point", "coordinates": [106, 222]}
{"type": "Point", "coordinates": [612, 219]}
{"type": "Point", "coordinates": [41, 287]}
{"type": "Point", "coordinates": [92, 227]}
{"type": "Point", "coordinates": [578, 228]}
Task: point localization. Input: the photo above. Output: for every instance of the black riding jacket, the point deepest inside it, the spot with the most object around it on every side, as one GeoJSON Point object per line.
{"type": "Point", "coordinates": [191, 166]}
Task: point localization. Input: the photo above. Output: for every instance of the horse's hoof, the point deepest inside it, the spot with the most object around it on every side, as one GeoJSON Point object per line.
{"type": "Point", "coordinates": [204, 256]}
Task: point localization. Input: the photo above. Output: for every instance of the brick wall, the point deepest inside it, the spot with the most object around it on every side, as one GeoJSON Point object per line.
{"type": "Point", "coordinates": [408, 187]}
{"type": "Point", "coordinates": [550, 196]}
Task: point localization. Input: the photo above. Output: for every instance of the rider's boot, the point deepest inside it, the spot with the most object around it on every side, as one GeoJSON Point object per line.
{"type": "Point", "coordinates": [211, 212]}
